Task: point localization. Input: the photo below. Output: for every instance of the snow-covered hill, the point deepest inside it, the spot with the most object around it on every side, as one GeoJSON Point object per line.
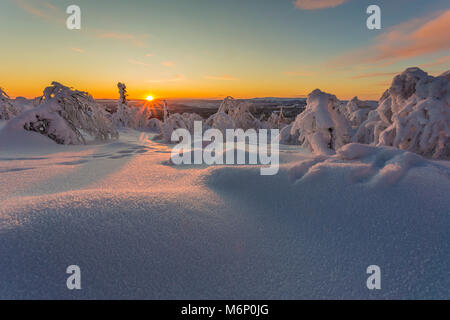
{"type": "Point", "coordinates": [139, 228]}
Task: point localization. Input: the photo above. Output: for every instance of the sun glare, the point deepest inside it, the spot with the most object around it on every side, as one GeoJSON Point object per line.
{"type": "Point", "coordinates": [149, 98]}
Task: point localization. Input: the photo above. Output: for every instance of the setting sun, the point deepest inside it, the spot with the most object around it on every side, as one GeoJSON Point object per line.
{"type": "Point", "coordinates": [149, 98]}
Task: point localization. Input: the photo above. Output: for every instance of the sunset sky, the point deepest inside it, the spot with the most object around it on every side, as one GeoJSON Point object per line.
{"type": "Point", "coordinates": [216, 48]}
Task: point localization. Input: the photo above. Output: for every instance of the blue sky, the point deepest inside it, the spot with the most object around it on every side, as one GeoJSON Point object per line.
{"type": "Point", "coordinates": [211, 48]}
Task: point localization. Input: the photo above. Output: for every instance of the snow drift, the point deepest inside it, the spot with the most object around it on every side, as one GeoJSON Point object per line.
{"type": "Point", "coordinates": [365, 164]}
{"type": "Point", "coordinates": [143, 230]}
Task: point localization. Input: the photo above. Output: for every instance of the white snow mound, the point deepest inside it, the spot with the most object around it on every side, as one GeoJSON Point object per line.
{"type": "Point", "coordinates": [358, 163]}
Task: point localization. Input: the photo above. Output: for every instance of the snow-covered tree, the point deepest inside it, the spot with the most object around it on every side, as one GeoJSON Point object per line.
{"type": "Point", "coordinates": [132, 117]}
{"type": "Point", "coordinates": [154, 125]}
{"type": "Point", "coordinates": [285, 136]}
{"type": "Point", "coordinates": [122, 92]}
{"type": "Point", "coordinates": [7, 109]}
{"type": "Point", "coordinates": [46, 119]}
{"type": "Point", "coordinates": [277, 120]}
{"type": "Point", "coordinates": [65, 115]}
{"type": "Point", "coordinates": [121, 118]}
{"type": "Point", "coordinates": [357, 111]}
{"type": "Point", "coordinates": [322, 128]}
{"type": "Point", "coordinates": [166, 111]}
{"type": "Point", "coordinates": [23, 104]}
{"type": "Point", "coordinates": [233, 115]}
{"type": "Point", "coordinates": [413, 114]}
{"type": "Point", "coordinates": [369, 131]}
{"type": "Point", "coordinates": [142, 116]}
{"type": "Point", "coordinates": [446, 75]}
{"type": "Point", "coordinates": [176, 121]}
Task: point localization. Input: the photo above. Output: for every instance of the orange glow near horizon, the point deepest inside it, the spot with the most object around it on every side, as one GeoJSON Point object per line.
{"type": "Point", "coordinates": [343, 90]}
{"type": "Point", "coordinates": [369, 86]}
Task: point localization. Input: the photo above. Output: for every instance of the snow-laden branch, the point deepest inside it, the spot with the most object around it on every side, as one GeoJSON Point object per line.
{"type": "Point", "coordinates": [65, 115]}
{"type": "Point", "coordinates": [176, 121]}
{"type": "Point", "coordinates": [357, 111]}
{"type": "Point", "coordinates": [7, 109]}
{"type": "Point", "coordinates": [233, 114]}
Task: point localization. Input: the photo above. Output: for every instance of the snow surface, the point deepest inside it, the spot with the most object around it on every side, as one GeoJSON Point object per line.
{"type": "Point", "coordinates": [140, 228]}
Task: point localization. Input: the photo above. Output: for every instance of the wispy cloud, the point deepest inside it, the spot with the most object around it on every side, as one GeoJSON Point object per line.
{"type": "Point", "coordinates": [78, 50]}
{"type": "Point", "coordinates": [168, 64]}
{"type": "Point", "coordinates": [317, 4]}
{"type": "Point", "coordinates": [48, 11]}
{"type": "Point", "coordinates": [374, 75]}
{"type": "Point", "coordinates": [137, 40]}
{"type": "Point", "coordinates": [42, 9]}
{"type": "Point", "coordinates": [437, 62]}
{"type": "Point", "coordinates": [414, 38]}
{"type": "Point", "coordinates": [224, 77]}
{"type": "Point", "coordinates": [384, 84]}
{"type": "Point", "coordinates": [299, 73]}
{"type": "Point", "coordinates": [139, 63]}
{"type": "Point", "coordinates": [177, 77]}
